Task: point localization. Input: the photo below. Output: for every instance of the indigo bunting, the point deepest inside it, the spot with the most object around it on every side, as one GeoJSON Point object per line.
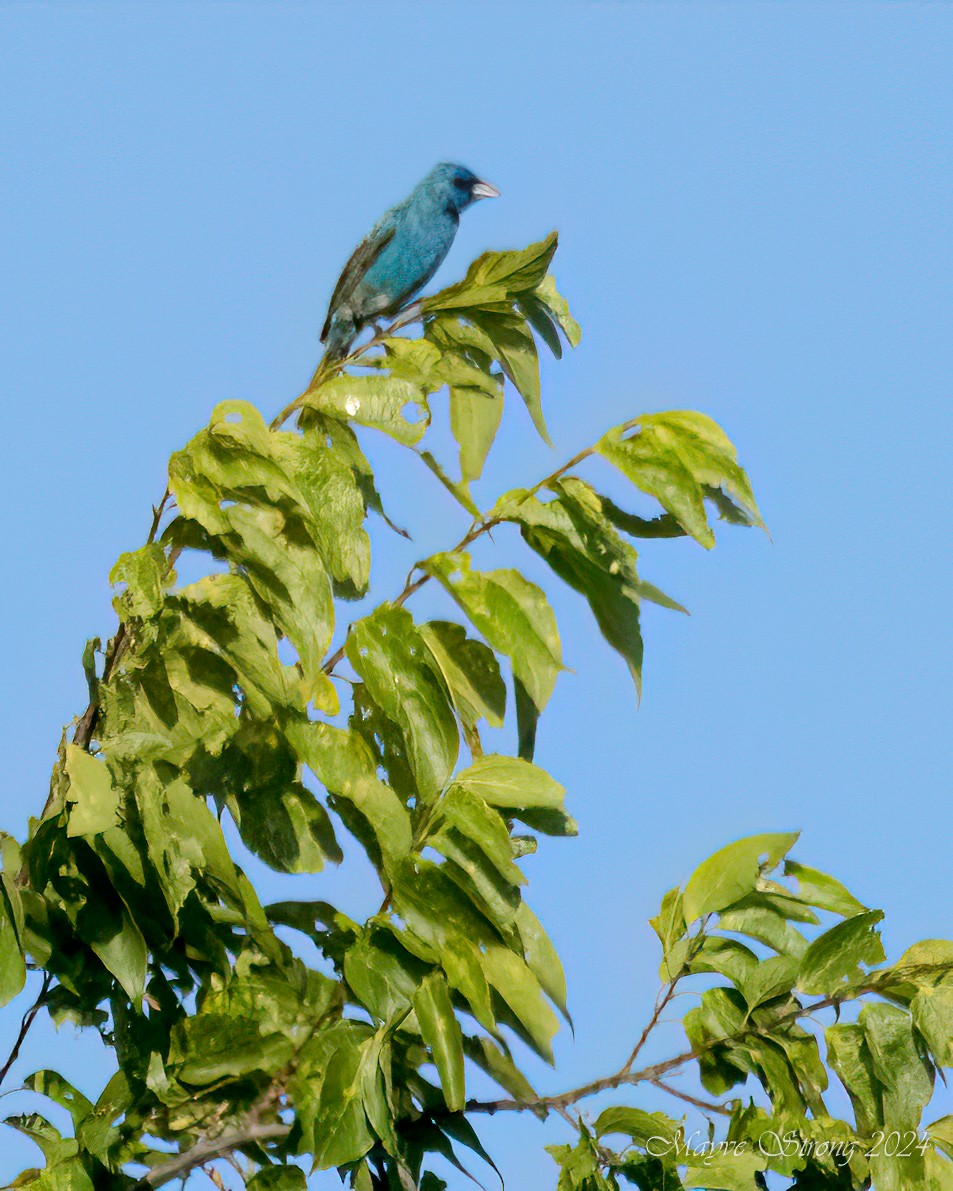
{"type": "Point", "coordinates": [402, 252]}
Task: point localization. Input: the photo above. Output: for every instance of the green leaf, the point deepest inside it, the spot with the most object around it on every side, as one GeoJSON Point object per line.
{"type": "Point", "coordinates": [289, 829]}
{"type": "Point", "coordinates": [643, 1127]}
{"type": "Point", "coordinates": [470, 670]}
{"type": "Point", "coordinates": [519, 270]}
{"type": "Point", "coordinates": [337, 485]}
{"type": "Point", "coordinates": [286, 572]}
{"type": "Point", "coordinates": [725, 1171]}
{"type": "Point", "coordinates": [386, 403]}
{"type": "Point", "coordinates": [581, 1165]}
{"type": "Point", "coordinates": [542, 958]}
{"type": "Point", "coordinates": [495, 278]}
{"type": "Point", "coordinates": [510, 783]}
{"type": "Point", "coordinates": [832, 961]}
{"type": "Point", "coordinates": [669, 923]}
{"type": "Point", "coordinates": [95, 800]}
{"type": "Point", "coordinates": [757, 918]}
{"type": "Point", "coordinates": [383, 975]}
{"type": "Point", "coordinates": [97, 1131]}
{"type": "Point", "coordinates": [941, 1133]}
{"type": "Point", "coordinates": [289, 1002]}
{"type": "Point", "coordinates": [932, 1010]}
{"type": "Point", "coordinates": [466, 297]}
{"type": "Point", "coordinates": [110, 931]}
{"type": "Point", "coordinates": [461, 813]}
{"type": "Point", "coordinates": [460, 492]}
{"type": "Point", "coordinates": [53, 1146]}
{"type": "Point", "coordinates": [803, 1062]}
{"type": "Point", "coordinates": [214, 1046]}
{"type": "Point", "coordinates": [436, 910]}
{"type": "Point", "coordinates": [12, 963]}
{"type": "Point", "coordinates": [441, 1032]}
{"type": "Point", "coordinates": [499, 1065]}
{"type": "Point", "coordinates": [556, 304]}
{"type": "Point", "coordinates": [52, 1085]}
{"type": "Point", "coordinates": [147, 575]}
{"type": "Point", "coordinates": [184, 839]}
{"type": "Point", "coordinates": [278, 1178]}
{"type": "Point", "coordinates": [527, 721]}
{"type": "Point", "coordinates": [343, 764]}
{"type": "Point", "coordinates": [927, 961]}
{"type": "Point", "coordinates": [377, 1088]}
{"type": "Point", "coordinates": [460, 960]}
{"type": "Point", "coordinates": [727, 957]}
{"type": "Point", "coordinates": [393, 659]}
{"type": "Point", "coordinates": [515, 348]}
{"type": "Point", "coordinates": [220, 615]}
{"type": "Point", "coordinates": [906, 1076]}
{"type": "Point", "coordinates": [819, 889]}
{"type": "Point", "coordinates": [771, 978]}
{"type": "Point", "coordinates": [580, 544]}
{"type": "Point", "coordinates": [732, 872]}
{"type": "Point", "coordinates": [341, 1129]}
{"type": "Point", "coordinates": [235, 458]}
{"type": "Point", "coordinates": [662, 526]}
{"type": "Point", "coordinates": [511, 613]}
{"type": "Point", "coordinates": [538, 315]}
{"type": "Point", "coordinates": [475, 418]}
{"type": "Point", "coordinates": [416, 360]}
{"type": "Point", "coordinates": [520, 989]}
{"type": "Point", "coordinates": [676, 457]}
{"type": "Point", "coordinates": [67, 1175]}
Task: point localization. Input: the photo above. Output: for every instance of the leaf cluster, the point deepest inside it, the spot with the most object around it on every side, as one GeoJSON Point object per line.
{"type": "Point", "coordinates": [234, 707]}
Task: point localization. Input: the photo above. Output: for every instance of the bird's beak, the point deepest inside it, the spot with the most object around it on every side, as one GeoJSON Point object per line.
{"type": "Point", "coordinates": [484, 190]}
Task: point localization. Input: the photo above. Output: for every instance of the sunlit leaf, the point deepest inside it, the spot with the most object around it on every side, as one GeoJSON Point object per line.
{"type": "Point", "coordinates": [441, 1032]}
{"type": "Point", "coordinates": [676, 457]}
{"type": "Point", "coordinates": [732, 872]}
{"type": "Point", "coordinates": [834, 959]}
{"type": "Point", "coordinates": [393, 659]}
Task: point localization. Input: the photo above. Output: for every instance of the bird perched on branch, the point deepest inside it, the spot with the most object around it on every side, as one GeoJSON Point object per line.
{"type": "Point", "coordinates": [402, 252]}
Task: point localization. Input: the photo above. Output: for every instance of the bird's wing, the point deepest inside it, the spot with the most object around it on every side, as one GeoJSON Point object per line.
{"type": "Point", "coordinates": [363, 256]}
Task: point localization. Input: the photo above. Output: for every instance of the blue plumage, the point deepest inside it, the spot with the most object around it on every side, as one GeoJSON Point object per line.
{"type": "Point", "coordinates": [402, 252]}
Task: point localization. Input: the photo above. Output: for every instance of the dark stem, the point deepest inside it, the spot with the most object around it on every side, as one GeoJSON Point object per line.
{"type": "Point", "coordinates": [27, 1020]}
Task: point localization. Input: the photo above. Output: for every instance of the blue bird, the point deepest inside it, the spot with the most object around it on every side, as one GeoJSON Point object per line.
{"type": "Point", "coordinates": [402, 252]}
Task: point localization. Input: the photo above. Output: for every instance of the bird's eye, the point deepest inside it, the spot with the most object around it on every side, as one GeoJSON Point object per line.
{"type": "Point", "coordinates": [461, 184]}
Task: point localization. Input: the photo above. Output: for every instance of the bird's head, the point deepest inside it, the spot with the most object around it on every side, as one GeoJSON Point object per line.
{"type": "Point", "coordinates": [457, 185]}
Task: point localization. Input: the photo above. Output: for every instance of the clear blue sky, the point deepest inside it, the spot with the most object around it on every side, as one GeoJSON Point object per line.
{"type": "Point", "coordinates": [755, 205]}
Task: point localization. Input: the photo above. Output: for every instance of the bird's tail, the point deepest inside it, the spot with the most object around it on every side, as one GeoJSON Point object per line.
{"type": "Point", "coordinates": [339, 337]}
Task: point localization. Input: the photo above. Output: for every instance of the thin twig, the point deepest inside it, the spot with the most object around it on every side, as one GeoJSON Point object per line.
{"type": "Point", "coordinates": [26, 1021]}
{"type": "Point", "coordinates": [705, 1105]}
{"type": "Point", "coordinates": [660, 1002]}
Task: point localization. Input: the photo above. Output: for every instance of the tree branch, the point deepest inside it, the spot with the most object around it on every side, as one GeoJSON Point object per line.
{"type": "Point", "coordinates": [207, 1150]}
{"type": "Point", "coordinates": [653, 1073]}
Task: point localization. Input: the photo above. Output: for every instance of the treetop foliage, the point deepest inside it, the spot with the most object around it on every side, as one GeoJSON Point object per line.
{"type": "Point", "coordinates": [286, 1036]}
